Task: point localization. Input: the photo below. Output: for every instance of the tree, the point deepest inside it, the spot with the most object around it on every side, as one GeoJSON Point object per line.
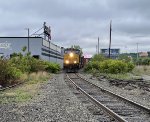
{"type": "Point", "coordinates": [98, 57]}
{"type": "Point", "coordinates": [77, 47]}
{"type": "Point", "coordinates": [125, 57]}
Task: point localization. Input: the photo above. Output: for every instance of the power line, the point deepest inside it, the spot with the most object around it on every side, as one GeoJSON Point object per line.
{"type": "Point", "coordinates": [36, 32]}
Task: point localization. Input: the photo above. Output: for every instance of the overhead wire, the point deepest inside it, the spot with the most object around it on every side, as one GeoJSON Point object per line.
{"type": "Point", "coordinates": [36, 32]}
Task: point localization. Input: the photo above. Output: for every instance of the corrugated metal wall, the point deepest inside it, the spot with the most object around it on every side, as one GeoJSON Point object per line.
{"type": "Point", "coordinates": [46, 50]}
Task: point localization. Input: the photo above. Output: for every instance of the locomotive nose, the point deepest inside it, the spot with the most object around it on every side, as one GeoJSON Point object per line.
{"type": "Point", "coordinates": [75, 62]}
{"type": "Point", "coordinates": [71, 54]}
{"type": "Point", "coordinates": [67, 61]}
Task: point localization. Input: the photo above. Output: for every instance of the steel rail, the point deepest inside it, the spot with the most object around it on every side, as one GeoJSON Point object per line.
{"type": "Point", "coordinates": [119, 96]}
{"type": "Point", "coordinates": [106, 109]}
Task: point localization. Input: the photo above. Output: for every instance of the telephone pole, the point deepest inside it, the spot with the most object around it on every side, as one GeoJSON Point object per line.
{"type": "Point", "coordinates": [137, 50]}
{"type": "Point", "coordinates": [110, 39]}
{"type": "Point", "coordinates": [98, 45]}
{"type": "Point", "coordinates": [28, 39]}
{"type": "Point", "coordinates": [96, 49]}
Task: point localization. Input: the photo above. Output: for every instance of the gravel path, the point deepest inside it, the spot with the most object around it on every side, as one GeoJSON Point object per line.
{"type": "Point", "coordinates": [138, 95]}
{"type": "Point", "coordinates": [55, 103]}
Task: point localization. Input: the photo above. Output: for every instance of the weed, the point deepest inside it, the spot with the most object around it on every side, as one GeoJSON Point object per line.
{"type": "Point", "coordinates": [26, 91]}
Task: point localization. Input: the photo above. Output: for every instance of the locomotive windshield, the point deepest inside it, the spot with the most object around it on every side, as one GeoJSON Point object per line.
{"type": "Point", "coordinates": [69, 51]}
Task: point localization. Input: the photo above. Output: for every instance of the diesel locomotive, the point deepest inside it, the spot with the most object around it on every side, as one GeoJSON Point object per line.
{"type": "Point", "coordinates": [73, 59]}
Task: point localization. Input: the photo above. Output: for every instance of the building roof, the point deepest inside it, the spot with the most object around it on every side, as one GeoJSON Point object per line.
{"type": "Point", "coordinates": [143, 54]}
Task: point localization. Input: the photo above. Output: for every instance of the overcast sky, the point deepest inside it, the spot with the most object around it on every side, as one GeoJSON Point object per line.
{"type": "Point", "coordinates": [80, 22]}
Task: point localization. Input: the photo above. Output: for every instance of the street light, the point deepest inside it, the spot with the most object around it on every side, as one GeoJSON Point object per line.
{"type": "Point", "coordinates": [28, 38]}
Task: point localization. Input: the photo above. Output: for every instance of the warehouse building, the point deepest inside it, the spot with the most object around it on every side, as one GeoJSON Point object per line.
{"type": "Point", "coordinates": [114, 53]}
{"type": "Point", "coordinates": [39, 48]}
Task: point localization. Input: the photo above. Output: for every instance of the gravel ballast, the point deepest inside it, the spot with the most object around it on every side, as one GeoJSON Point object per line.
{"type": "Point", "coordinates": [55, 103]}
{"type": "Point", "coordinates": [135, 94]}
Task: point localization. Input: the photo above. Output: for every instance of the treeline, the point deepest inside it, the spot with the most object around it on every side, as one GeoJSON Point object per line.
{"type": "Point", "coordinates": [12, 69]}
{"type": "Point", "coordinates": [104, 65]}
{"type": "Point", "coordinates": [133, 57]}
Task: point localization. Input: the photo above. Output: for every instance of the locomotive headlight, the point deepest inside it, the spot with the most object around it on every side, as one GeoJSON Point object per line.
{"type": "Point", "coordinates": [67, 62]}
{"type": "Point", "coordinates": [75, 62]}
{"type": "Point", "coordinates": [71, 54]}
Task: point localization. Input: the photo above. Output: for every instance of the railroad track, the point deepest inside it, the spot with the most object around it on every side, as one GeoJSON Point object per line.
{"type": "Point", "coordinates": [118, 107]}
{"type": "Point", "coordinates": [12, 86]}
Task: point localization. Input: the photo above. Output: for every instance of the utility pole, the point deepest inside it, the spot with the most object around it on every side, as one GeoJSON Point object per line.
{"type": "Point", "coordinates": [96, 49]}
{"type": "Point", "coordinates": [137, 51]}
{"type": "Point", "coordinates": [44, 27]}
{"type": "Point", "coordinates": [110, 39]}
{"type": "Point", "coordinates": [28, 39]}
{"type": "Point", "coordinates": [98, 45]}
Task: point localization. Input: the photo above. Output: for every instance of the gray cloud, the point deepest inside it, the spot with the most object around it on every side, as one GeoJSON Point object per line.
{"type": "Point", "coordinates": [81, 22]}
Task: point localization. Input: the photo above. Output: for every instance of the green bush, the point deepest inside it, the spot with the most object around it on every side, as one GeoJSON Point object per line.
{"type": "Point", "coordinates": [116, 66]}
{"type": "Point", "coordinates": [104, 66]}
{"type": "Point", "coordinates": [21, 63]}
{"type": "Point", "coordinates": [88, 66]}
{"type": "Point", "coordinates": [130, 66]}
{"type": "Point", "coordinates": [98, 57]}
{"type": "Point", "coordinates": [92, 65]}
{"type": "Point", "coordinates": [143, 61]}
{"type": "Point", "coordinates": [8, 73]}
{"type": "Point", "coordinates": [110, 66]}
{"type": "Point", "coordinates": [12, 69]}
{"type": "Point", "coordinates": [52, 67]}
{"type": "Point", "coordinates": [37, 65]}
{"type": "Point", "coordinates": [29, 64]}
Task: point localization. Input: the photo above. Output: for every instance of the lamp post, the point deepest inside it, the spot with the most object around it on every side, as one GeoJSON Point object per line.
{"type": "Point", "coordinates": [28, 38]}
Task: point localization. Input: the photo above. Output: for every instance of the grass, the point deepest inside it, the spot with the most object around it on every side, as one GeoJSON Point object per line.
{"type": "Point", "coordinates": [141, 70]}
{"type": "Point", "coordinates": [126, 76]}
{"type": "Point", "coordinates": [137, 73]}
{"type": "Point", "coordinates": [26, 91]}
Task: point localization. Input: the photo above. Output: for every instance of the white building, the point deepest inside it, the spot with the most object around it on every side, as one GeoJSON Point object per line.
{"type": "Point", "coordinates": [38, 47]}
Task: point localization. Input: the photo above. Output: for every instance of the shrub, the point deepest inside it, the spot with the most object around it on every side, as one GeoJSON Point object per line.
{"type": "Point", "coordinates": [130, 66]}
{"type": "Point", "coordinates": [52, 67]}
{"type": "Point", "coordinates": [92, 65]}
{"type": "Point", "coordinates": [116, 66]}
{"type": "Point", "coordinates": [37, 65]}
{"type": "Point", "coordinates": [143, 61]}
{"type": "Point", "coordinates": [88, 66]}
{"type": "Point", "coordinates": [104, 66]}
{"type": "Point", "coordinates": [98, 57]}
{"type": "Point", "coordinates": [21, 63]}
{"type": "Point", "coordinates": [29, 64]}
{"type": "Point", "coordinates": [125, 58]}
{"type": "Point", "coordinates": [8, 73]}
{"type": "Point", "coordinates": [110, 66]}
{"type": "Point", "coordinates": [12, 69]}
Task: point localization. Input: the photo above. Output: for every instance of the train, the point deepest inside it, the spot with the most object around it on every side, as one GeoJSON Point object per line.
{"type": "Point", "coordinates": [73, 60]}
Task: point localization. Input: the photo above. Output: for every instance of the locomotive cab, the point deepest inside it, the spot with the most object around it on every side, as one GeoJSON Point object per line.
{"type": "Point", "coordinates": [72, 59]}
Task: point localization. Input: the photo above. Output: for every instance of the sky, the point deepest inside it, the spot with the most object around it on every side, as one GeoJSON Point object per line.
{"type": "Point", "coordinates": [81, 22]}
